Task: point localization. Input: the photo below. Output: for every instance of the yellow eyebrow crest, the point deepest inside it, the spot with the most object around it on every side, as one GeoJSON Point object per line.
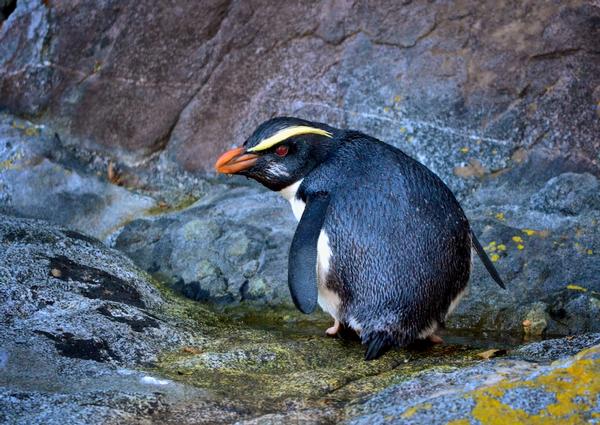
{"type": "Point", "coordinates": [285, 134]}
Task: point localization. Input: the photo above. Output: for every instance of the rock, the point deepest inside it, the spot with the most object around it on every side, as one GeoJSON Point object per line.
{"type": "Point", "coordinates": [552, 349]}
{"type": "Point", "coordinates": [451, 84]}
{"type": "Point", "coordinates": [511, 389]}
{"type": "Point", "coordinates": [536, 320]}
{"type": "Point", "coordinates": [36, 182]}
{"type": "Point", "coordinates": [217, 251]}
{"type": "Point", "coordinates": [548, 257]}
{"type": "Point", "coordinates": [85, 337]}
{"type": "Point", "coordinates": [65, 292]}
{"type": "Point", "coordinates": [26, 75]}
{"type": "Point", "coordinates": [569, 194]}
{"type": "Point", "coordinates": [77, 317]}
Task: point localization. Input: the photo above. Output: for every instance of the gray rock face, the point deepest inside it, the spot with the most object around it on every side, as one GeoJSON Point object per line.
{"type": "Point", "coordinates": [39, 180]}
{"type": "Point", "coordinates": [69, 293]}
{"type": "Point", "coordinates": [75, 318]}
{"type": "Point", "coordinates": [450, 82]}
{"type": "Point", "coordinates": [26, 75]}
{"type": "Point", "coordinates": [512, 389]}
{"type": "Point", "coordinates": [568, 193]}
{"type": "Point", "coordinates": [216, 250]}
{"type": "Point", "coordinates": [538, 223]}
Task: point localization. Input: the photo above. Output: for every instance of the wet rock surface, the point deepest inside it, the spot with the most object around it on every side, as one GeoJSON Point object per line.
{"type": "Point", "coordinates": [87, 337]}
{"type": "Point", "coordinates": [112, 115]}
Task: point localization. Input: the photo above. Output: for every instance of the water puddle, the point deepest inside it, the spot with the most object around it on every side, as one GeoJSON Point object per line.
{"type": "Point", "coordinates": [267, 359]}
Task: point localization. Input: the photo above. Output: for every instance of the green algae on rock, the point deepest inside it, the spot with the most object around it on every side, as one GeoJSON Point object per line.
{"type": "Point", "coordinates": [81, 318]}
{"type": "Point", "coordinates": [265, 359]}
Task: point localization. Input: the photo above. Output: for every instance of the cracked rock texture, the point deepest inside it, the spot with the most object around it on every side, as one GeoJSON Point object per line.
{"type": "Point", "coordinates": [140, 77]}
{"type": "Point", "coordinates": [499, 99]}
{"type": "Point", "coordinates": [76, 317]}
{"type": "Point", "coordinates": [111, 116]}
{"type": "Point", "coordinates": [86, 338]}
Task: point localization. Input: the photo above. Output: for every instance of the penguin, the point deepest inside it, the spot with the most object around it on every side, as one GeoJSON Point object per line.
{"type": "Point", "coordinates": [382, 244]}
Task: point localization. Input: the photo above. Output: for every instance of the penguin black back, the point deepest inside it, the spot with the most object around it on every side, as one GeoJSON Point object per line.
{"type": "Point", "coordinates": [400, 240]}
{"type": "Point", "coordinates": [391, 244]}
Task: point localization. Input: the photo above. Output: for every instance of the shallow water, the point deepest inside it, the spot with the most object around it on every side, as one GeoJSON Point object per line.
{"type": "Point", "coordinates": [265, 360]}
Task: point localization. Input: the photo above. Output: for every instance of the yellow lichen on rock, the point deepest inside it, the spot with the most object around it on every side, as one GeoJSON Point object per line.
{"type": "Point", "coordinates": [412, 410]}
{"type": "Point", "coordinates": [575, 384]}
{"type": "Point", "coordinates": [576, 288]}
{"type": "Point", "coordinates": [459, 422]}
{"type": "Point", "coordinates": [491, 247]}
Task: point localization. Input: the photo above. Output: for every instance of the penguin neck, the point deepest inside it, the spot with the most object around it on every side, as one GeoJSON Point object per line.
{"type": "Point", "coordinates": [291, 194]}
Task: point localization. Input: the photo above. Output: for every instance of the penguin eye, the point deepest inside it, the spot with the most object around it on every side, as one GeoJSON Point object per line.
{"type": "Point", "coordinates": [281, 150]}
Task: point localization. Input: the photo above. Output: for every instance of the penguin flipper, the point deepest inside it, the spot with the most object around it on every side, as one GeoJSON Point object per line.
{"type": "Point", "coordinates": [302, 270]}
{"type": "Point", "coordinates": [486, 261]}
{"type": "Point", "coordinates": [377, 345]}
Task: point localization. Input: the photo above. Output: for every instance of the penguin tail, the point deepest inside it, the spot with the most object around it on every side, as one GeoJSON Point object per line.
{"type": "Point", "coordinates": [486, 261]}
{"type": "Point", "coordinates": [378, 343]}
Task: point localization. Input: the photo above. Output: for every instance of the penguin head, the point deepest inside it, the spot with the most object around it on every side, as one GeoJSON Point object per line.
{"type": "Point", "coordinates": [280, 152]}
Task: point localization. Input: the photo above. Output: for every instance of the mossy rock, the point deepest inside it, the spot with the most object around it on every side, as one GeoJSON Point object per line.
{"type": "Point", "coordinates": [265, 359]}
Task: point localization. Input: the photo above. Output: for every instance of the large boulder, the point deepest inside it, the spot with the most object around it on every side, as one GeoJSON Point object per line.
{"type": "Point", "coordinates": [510, 390]}
{"type": "Point", "coordinates": [77, 319]}
{"type": "Point", "coordinates": [231, 246]}
{"type": "Point", "coordinates": [86, 338]}
{"type": "Point", "coordinates": [39, 179]}
{"type": "Point", "coordinates": [450, 82]}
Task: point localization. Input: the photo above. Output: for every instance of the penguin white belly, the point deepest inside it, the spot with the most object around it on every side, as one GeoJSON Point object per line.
{"type": "Point", "coordinates": [328, 300]}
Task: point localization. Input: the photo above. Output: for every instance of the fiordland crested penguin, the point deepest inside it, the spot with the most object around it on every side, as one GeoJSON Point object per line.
{"type": "Point", "coordinates": [382, 244]}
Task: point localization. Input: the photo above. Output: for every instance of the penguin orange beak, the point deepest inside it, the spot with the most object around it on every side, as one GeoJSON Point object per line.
{"type": "Point", "coordinates": [234, 161]}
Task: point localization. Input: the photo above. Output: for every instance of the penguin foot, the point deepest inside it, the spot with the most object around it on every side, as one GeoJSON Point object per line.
{"type": "Point", "coordinates": [435, 339]}
{"type": "Point", "coordinates": [332, 331]}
